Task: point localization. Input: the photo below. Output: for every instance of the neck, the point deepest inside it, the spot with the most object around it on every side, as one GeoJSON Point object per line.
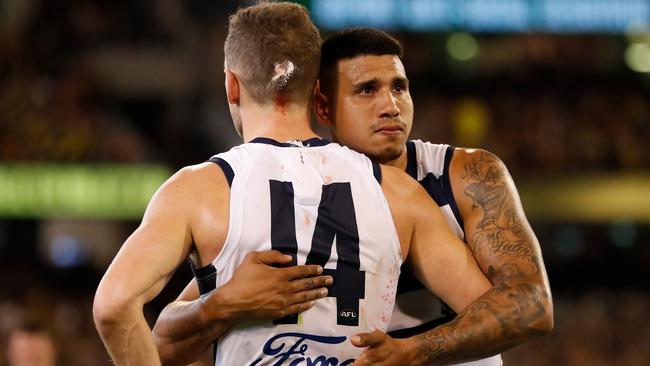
{"type": "Point", "coordinates": [400, 161]}
{"type": "Point", "coordinates": [280, 123]}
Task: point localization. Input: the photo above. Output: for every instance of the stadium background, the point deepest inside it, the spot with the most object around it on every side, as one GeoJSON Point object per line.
{"type": "Point", "coordinates": [101, 100]}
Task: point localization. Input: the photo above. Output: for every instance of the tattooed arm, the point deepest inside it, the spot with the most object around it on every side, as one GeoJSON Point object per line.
{"type": "Point", "coordinates": [519, 305]}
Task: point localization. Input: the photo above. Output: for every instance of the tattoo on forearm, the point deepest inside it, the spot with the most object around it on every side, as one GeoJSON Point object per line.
{"type": "Point", "coordinates": [505, 249]}
{"type": "Point", "coordinates": [488, 330]}
{"type": "Point", "coordinates": [435, 343]}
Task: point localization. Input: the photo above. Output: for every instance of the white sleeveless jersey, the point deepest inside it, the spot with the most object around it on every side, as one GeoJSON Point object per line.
{"type": "Point", "coordinates": [322, 204]}
{"type": "Point", "coordinates": [417, 309]}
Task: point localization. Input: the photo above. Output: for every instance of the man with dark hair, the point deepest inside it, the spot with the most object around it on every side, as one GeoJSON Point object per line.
{"type": "Point", "coordinates": [364, 45]}
{"type": "Point", "coordinates": [287, 190]}
{"type": "Point", "coordinates": [365, 102]}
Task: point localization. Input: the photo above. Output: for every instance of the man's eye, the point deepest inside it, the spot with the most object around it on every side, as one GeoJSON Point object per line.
{"type": "Point", "coordinates": [399, 87]}
{"type": "Point", "coordinates": [366, 90]}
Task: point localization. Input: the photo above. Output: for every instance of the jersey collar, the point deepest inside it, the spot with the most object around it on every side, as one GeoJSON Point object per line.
{"type": "Point", "coordinates": [312, 142]}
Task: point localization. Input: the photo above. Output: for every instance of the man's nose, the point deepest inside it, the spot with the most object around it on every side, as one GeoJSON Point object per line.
{"type": "Point", "coordinates": [388, 107]}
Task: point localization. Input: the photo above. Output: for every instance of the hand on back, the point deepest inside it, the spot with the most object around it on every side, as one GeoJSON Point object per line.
{"type": "Point", "coordinates": [262, 288]}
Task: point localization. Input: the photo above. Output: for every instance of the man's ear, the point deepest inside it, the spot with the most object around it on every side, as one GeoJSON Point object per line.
{"type": "Point", "coordinates": [321, 107]}
{"type": "Point", "coordinates": [232, 87]}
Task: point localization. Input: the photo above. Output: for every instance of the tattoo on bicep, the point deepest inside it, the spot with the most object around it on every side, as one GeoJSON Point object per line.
{"type": "Point", "coordinates": [499, 231]}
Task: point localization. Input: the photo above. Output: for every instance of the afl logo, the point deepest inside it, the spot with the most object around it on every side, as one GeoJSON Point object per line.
{"type": "Point", "coordinates": [348, 314]}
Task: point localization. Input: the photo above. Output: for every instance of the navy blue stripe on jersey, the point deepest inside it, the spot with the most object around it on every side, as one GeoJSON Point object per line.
{"type": "Point", "coordinates": [376, 170]}
{"type": "Point", "coordinates": [337, 219]}
{"type": "Point", "coordinates": [227, 169]}
{"type": "Point", "coordinates": [411, 160]}
{"type": "Point", "coordinates": [439, 188]}
{"type": "Point", "coordinates": [446, 183]}
{"type": "Point", "coordinates": [312, 142]}
{"type": "Point", "coordinates": [283, 229]}
{"type": "Point", "coordinates": [407, 281]}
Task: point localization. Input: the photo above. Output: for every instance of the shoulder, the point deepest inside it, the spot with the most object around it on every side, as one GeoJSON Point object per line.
{"type": "Point", "coordinates": [191, 185]}
{"type": "Point", "coordinates": [397, 183]}
{"type": "Point", "coordinates": [475, 173]}
{"type": "Point", "coordinates": [404, 194]}
{"type": "Point", "coordinates": [467, 161]}
{"type": "Point", "coordinates": [197, 176]}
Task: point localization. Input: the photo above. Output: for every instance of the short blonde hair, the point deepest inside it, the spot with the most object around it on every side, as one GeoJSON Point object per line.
{"type": "Point", "coordinates": [274, 48]}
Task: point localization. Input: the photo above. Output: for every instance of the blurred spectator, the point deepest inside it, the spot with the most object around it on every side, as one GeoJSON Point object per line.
{"type": "Point", "coordinates": [598, 328]}
{"type": "Point", "coordinates": [96, 81]}
{"type": "Point", "coordinates": [31, 345]}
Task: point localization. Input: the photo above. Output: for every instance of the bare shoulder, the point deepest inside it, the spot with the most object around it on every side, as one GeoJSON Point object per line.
{"type": "Point", "coordinates": [194, 176]}
{"type": "Point", "coordinates": [199, 195]}
{"type": "Point", "coordinates": [467, 160]}
{"type": "Point", "coordinates": [478, 175]}
{"type": "Point", "coordinates": [194, 182]}
{"type": "Point", "coordinates": [396, 183]}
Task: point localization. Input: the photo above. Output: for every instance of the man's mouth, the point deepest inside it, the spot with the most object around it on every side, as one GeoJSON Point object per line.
{"type": "Point", "coordinates": [390, 130]}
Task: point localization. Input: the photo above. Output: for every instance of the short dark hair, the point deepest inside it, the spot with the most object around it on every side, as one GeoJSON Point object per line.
{"type": "Point", "coordinates": [351, 43]}
{"type": "Point", "coordinates": [274, 48]}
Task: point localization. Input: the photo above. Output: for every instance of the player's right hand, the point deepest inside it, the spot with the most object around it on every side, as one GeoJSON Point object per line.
{"type": "Point", "coordinates": [261, 289]}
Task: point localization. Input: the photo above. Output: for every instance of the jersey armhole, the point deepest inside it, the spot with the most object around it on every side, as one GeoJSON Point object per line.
{"type": "Point", "coordinates": [227, 169]}
{"type": "Point", "coordinates": [449, 154]}
{"type": "Point", "coordinates": [376, 171]}
{"type": "Point", "coordinates": [411, 160]}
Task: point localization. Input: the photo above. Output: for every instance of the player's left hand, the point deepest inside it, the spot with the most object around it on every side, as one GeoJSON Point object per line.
{"type": "Point", "coordinates": [383, 350]}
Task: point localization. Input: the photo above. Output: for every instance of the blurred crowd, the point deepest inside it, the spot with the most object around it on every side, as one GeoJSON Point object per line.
{"type": "Point", "coordinates": [89, 81]}
{"type": "Point", "coordinates": [545, 131]}
{"type": "Point", "coordinates": [599, 327]}
{"type": "Point", "coordinates": [120, 81]}
{"type": "Point", "coordinates": [37, 306]}
{"type": "Point", "coordinates": [46, 313]}
{"type": "Point", "coordinates": [112, 81]}
{"type": "Point", "coordinates": [596, 328]}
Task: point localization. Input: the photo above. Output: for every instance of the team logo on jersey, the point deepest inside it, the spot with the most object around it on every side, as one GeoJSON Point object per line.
{"type": "Point", "coordinates": [296, 354]}
{"type": "Point", "coordinates": [348, 314]}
